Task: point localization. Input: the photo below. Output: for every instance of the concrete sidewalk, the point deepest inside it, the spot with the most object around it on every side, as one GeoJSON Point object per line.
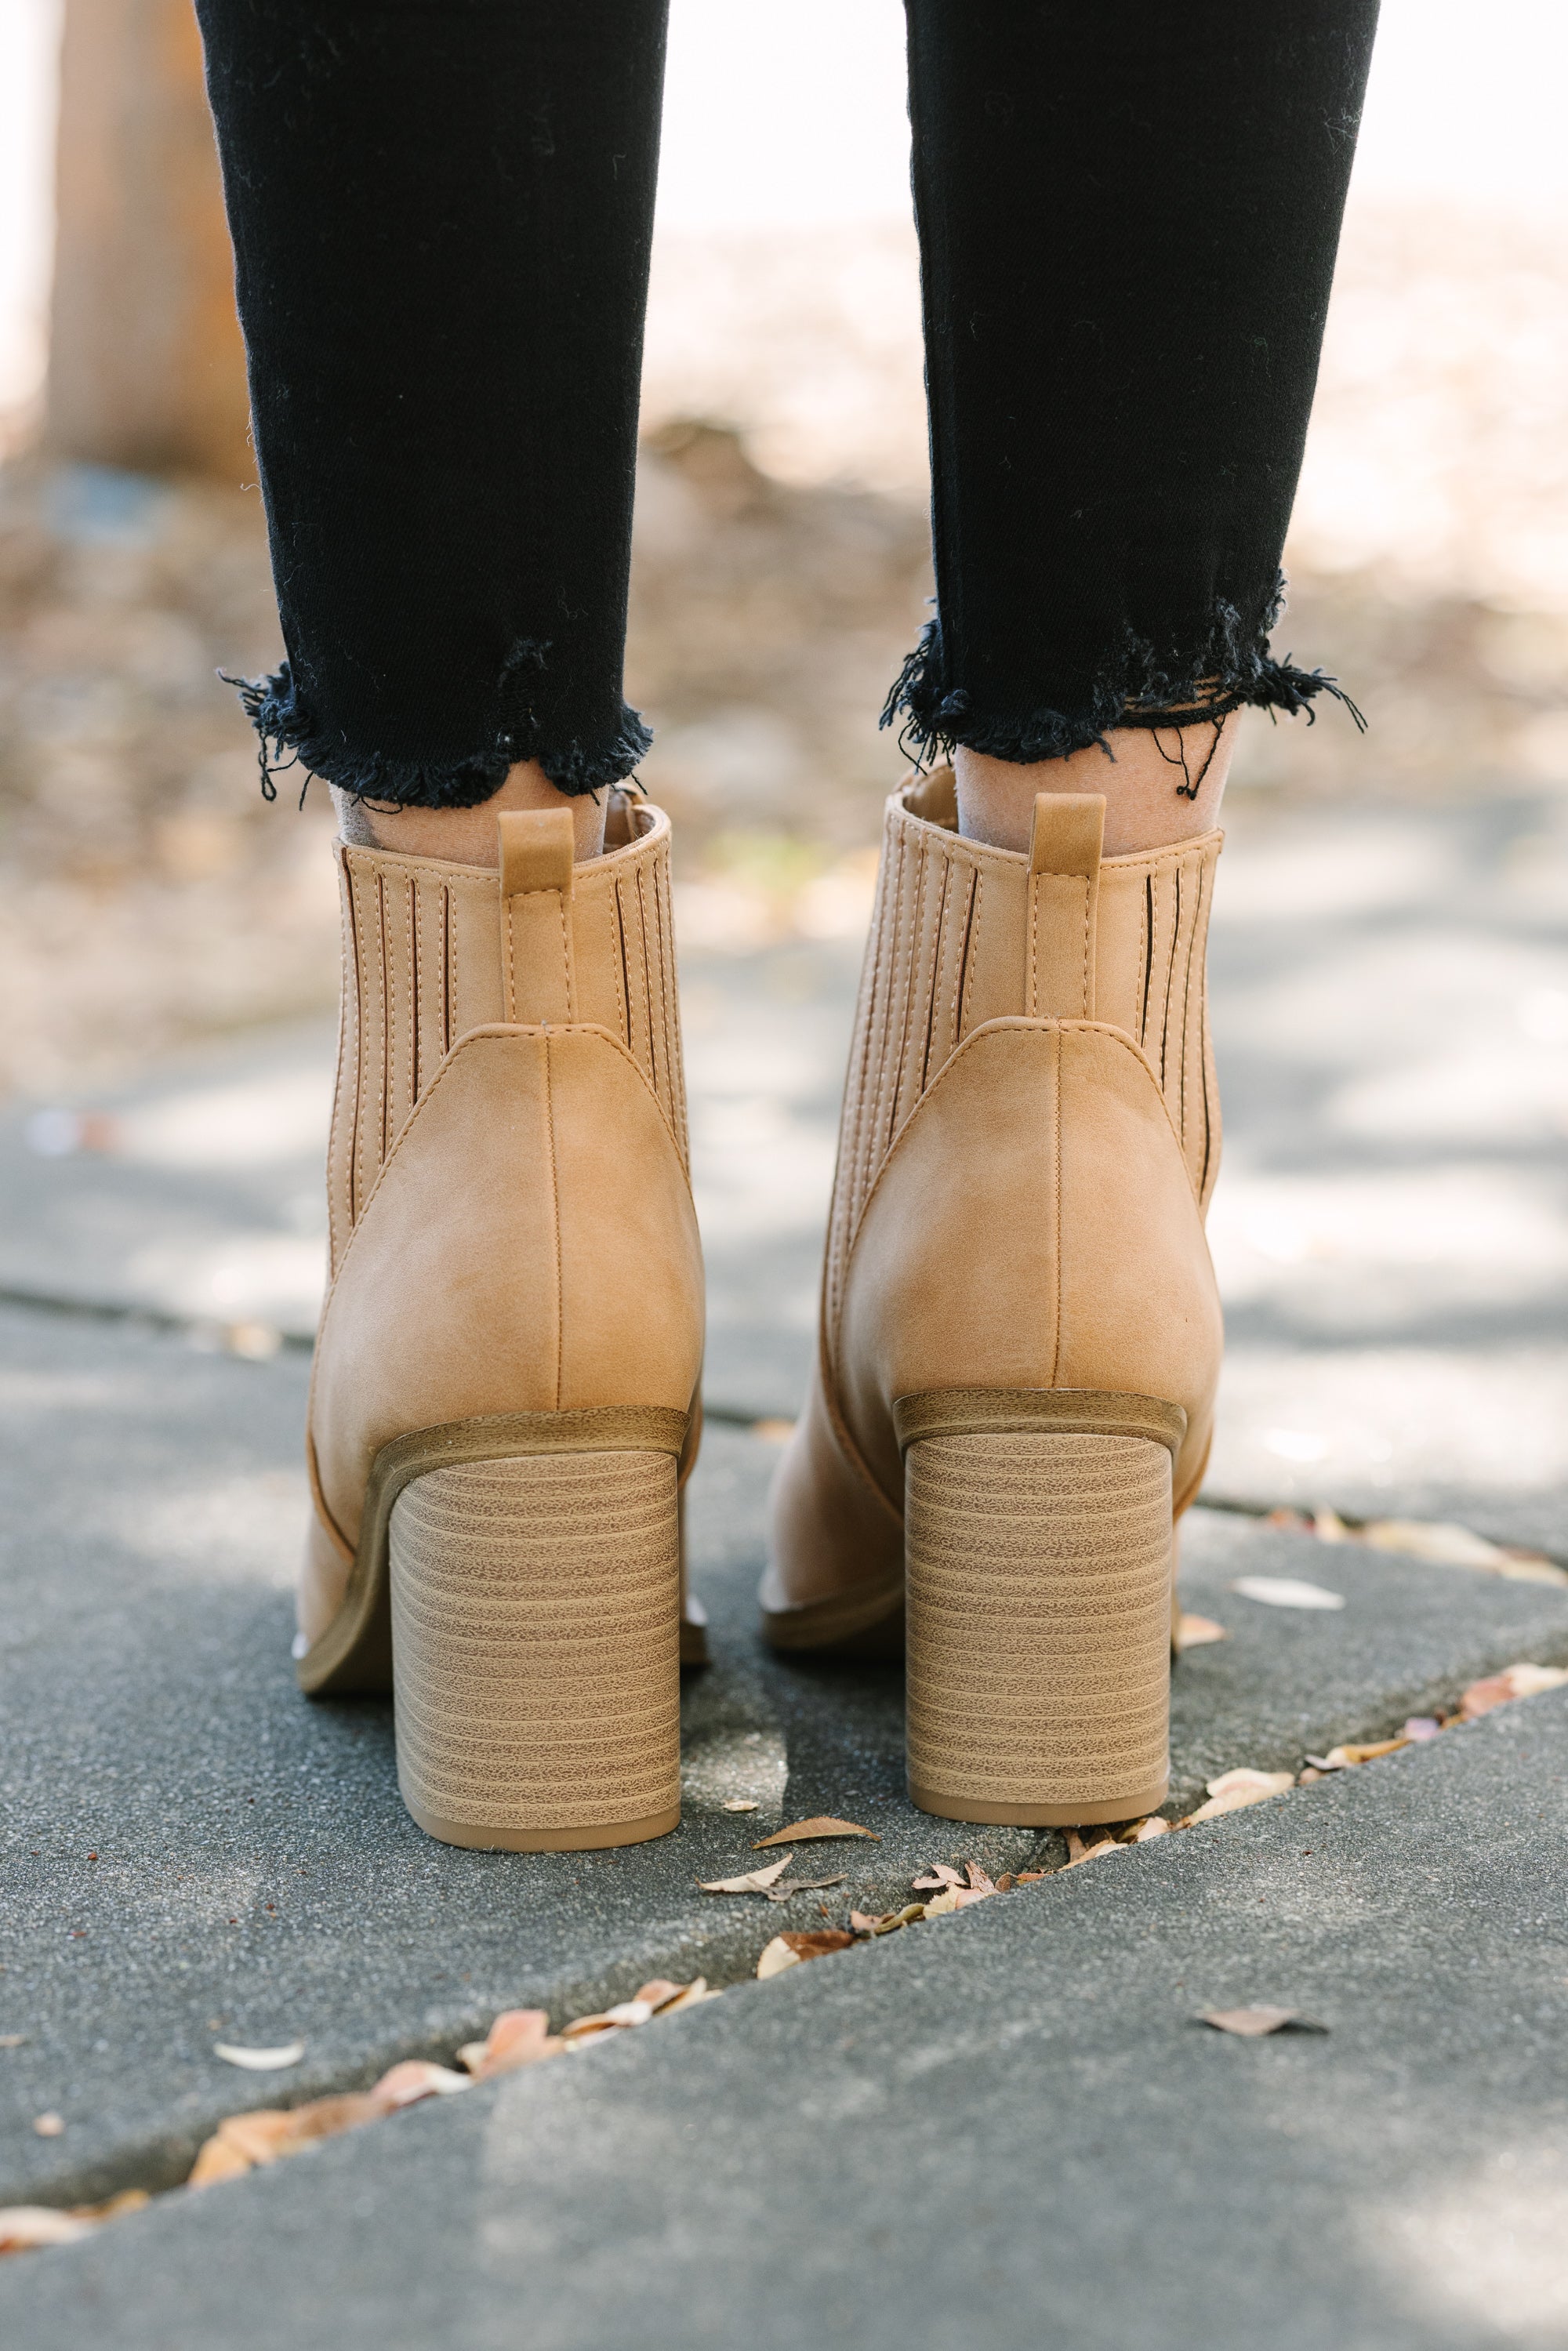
{"type": "Point", "coordinates": [1003, 2128]}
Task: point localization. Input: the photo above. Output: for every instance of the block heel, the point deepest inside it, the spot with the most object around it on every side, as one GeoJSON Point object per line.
{"type": "Point", "coordinates": [1039, 1548]}
{"type": "Point", "coordinates": [535, 1618]}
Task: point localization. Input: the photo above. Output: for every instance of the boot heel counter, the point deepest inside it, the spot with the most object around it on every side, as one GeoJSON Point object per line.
{"type": "Point", "coordinates": [1033, 1227]}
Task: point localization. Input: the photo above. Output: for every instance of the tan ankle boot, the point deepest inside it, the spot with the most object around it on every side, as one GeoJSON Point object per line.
{"type": "Point", "coordinates": [504, 1399]}
{"type": "Point", "coordinates": [1021, 1333]}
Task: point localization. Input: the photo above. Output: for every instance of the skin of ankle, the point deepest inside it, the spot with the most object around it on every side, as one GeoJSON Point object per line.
{"type": "Point", "coordinates": [467, 836]}
{"type": "Point", "coordinates": [1143, 808]}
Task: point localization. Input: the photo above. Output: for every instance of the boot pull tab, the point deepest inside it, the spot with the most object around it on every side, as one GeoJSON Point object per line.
{"type": "Point", "coordinates": [538, 983]}
{"type": "Point", "coordinates": [1063, 893]}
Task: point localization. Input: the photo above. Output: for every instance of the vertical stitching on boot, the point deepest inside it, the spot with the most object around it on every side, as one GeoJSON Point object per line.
{"type": "Point", "coordinates": [350, 949]}
{"type": "Point", "coordinates": [623, 985]}
{"type": "Point", "coordinates": [971, 930]}
{"type": "Point", "coordinates": [555, 1214]}
{"type": "Point", "coordinates": [647, 983]}
{"type": "Point", "coordinates": [913, 989]}
{"type": "Point", "coordinates": [663, 960]}
{"type": "Point", "coordinates": [413, 960]}
{"type": "Point", "coordinates": [1203, 1043]}
{"type": "Point", "coordinates": [1031, 978]}
{"type": "Point", "coordinates": [939, 964]}
{"type": "Point", "coordinates": [569, 971]}
{"type": "Point", "coordinates": [445, 970]}
{"type": "Point", "coordinates": [1056, 1203]}
{"type": "Point", "coordinates": [386, 1007]}
{"type": "Point", "coordinates": [1146, 954]}
{"type": "Point", "coordinates": [1185, 1030]}
{"type": "Point", "coordinates": [1170, 976]}
{"type": "Point", "coordinates": [1083, 981]}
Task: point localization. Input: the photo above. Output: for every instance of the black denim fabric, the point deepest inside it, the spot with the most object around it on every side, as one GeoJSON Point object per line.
{"type": "Point", "coordinates": [1128, 217]}
{"type": "Point", "coordinates": [442, 212]}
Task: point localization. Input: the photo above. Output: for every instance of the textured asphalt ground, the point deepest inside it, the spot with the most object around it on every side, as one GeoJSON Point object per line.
{"type": "Point", "coordinates": [194, 1852]}
{"type": "Point", "coordinates": [1004, 2127]}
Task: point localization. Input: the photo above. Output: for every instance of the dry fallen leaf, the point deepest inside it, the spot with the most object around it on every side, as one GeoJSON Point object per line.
{"type": "Point", "coordinates": [1286, 1592]}
{"type": "Point", "coordinates": [938, 1875]}
{"type": "Point", "coordinates": [777, 1956]}
{"type": "Point", "coordinates": [1340, 1759]}
{"type": "Point", "coordinates": [1196, 1633]}
{"type": "Point", "coordinates": [695, 1993]}
{"type": "Point", "coordinates": [1234, 1790]}
{"type": "Point", "coordinates": [416, 2078]}
{"type": "Point", "coordinates": [24, 2227]}
{"type": "Point", "coordinates": [129, 2200]}
{"type": "Point", "coordinates": [888, 1921]}
{"type": "Point", "coordinates": [943, 1905]}
{"type": "Point", "coordinates": [651, 2000]}
{"type": "Point", "coordinates": [801, 1832]}
{"type": "Point", "coordinates": [1077, 1851]}
{"type": "Point", "coordinates": [755, 1881]}
{"type": "Point", "coordinates": [1155, 1826]}
{"type": "Point", "coordinates": [260, 2060]}
{"type": "Point", "coordinates": [1252, 2023]}
{"type": "Point", "coordinates": [1422, 1727]}
{"type": "Point", "coordinates": [787, 1887]}
{"type": "Point", "coordinates": [1443, 1545]}
{"type": "Point", "coordinates": [740, 1803]}
{"type": "Point", "coordinates": [519, 2037]}
{"type": "Point", "coordinates": [49, 2125]}
{"type": "Point", "coordinates": [1523, 1680]}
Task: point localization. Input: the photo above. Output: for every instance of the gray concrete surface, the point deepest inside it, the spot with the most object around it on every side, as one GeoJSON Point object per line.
{"type": "Point", "coordinates": [1004, 2127]}
{"type": "Point", "coordinates": [194, 1852]}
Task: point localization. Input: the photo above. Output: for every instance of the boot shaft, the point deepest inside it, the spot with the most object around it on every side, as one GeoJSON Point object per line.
{"type": "Point", "coordinates": [433, 951]}
{"type": "Point", "coordinates": [962, 934]}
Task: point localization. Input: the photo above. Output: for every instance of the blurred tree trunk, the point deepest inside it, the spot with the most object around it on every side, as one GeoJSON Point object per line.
{"type": "Point", "coordinates": [146, 366]}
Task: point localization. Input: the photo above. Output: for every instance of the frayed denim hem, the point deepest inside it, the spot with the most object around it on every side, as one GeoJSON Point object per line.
{"type": "Point", "coordinates": [1137, 689]}
{"type": "Point", "coordinates": [278, 711]}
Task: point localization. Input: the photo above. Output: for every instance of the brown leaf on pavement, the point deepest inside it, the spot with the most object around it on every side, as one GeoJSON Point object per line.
{"type": "Point", "coordinates": [1078, 1852]}
{"type": "Point", "coordinates": [740, 1805]}
{"type": "Point", "coordinates": [938, 1875]}
{"type": "Point", "coordinates": [787, 1886]}
{"type": "Point", "coordinates": [651, 2000]}
{"type": "Point", "coordinates": [889, 1921]}
{"type": "Point", "coordinates": [260, 2060]}
{"type": "Point", "coordinates": [416, 2078]}
{"type": "Point", "coordinates": [695, 1993]}
{"type": "Point", "coordinates": [801, 1832]}
{"type": "Point", "coordinates": [1196, 1633]}
{"type": "Point", "coordinates": [755, 1881]}
{"type": "Point", "coordinates": [1252, 2023]}
{"type": "Point", "coordinates": [978, 1882]}
{"type": "Point", "coordinates": [1523, 1680]}
{"type": "Point", "coordinates": [24, 2227]}
{"type": "Point", "coordinates": [519, 2037]}
{"type": "Point", "coordinates": [1155, 1826]}
{"type": "Point", "coordinates": [817, 1941]}
{"type": "Point", "coordinates": [1233, 1790]}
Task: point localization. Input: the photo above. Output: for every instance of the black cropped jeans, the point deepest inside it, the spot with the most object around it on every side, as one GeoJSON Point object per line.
{"type": "Point", "coordinates": [442, 213]}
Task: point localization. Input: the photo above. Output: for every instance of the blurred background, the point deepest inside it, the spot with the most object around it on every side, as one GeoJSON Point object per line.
{"type": "Point", "coordinates": [146, 893]}
{"type": "Point", "coordinates": [1391, 943]}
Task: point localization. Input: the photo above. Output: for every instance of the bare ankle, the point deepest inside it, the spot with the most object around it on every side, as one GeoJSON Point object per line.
{"type": "Point", "coordinates": [1161, 785]}
{"type": "Point", "coordinates": [467, 836]}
